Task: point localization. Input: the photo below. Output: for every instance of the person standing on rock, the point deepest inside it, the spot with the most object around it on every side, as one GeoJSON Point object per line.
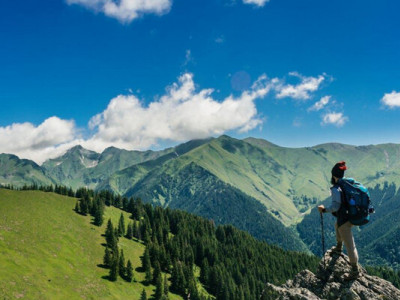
{"type": "Point", "coordinates": [342, 225]}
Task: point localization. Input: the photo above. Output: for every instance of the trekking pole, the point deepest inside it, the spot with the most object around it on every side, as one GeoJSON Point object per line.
{"type": "Point", "coordinates": [322, 237]}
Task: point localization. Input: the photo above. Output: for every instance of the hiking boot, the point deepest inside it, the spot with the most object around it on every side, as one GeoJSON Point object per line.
{"type": "Point", "coordinates": [354, 273]}
{"type": "Point", "coordinates": [337, 250]}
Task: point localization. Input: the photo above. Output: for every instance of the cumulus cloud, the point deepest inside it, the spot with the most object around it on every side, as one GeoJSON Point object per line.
{"type": "Point", "coordinates": [126, 10]}
{"type": "Point", "coordinates": [37, 142]}
{"type": "Point", "coordinates": [301, 90]}
{"type": "Point", "coordinates": [259, 3]}
{"type": "Point", "coordinates": [335, 118]}
{"type": "Point", "coordinates": [320, 104]}
{"type": "Point", "coordinates": [181, 114]}
{"type": "Point", "coordinates": [392, 100]}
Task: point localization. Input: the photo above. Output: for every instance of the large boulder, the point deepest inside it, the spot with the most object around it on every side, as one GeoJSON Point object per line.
{"type": "Point", "coordinates": [329, 283]}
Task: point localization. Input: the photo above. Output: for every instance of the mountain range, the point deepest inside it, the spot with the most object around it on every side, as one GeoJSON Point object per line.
{"type": "Point", "coordinates": [253, 184]}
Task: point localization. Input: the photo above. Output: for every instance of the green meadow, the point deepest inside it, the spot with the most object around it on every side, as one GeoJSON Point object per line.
{"type": "Point", "coordinates": [47, 251]}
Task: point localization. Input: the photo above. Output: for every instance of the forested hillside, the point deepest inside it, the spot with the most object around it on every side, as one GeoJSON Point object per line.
{"type": "Point", "coordinates": [189, 253]}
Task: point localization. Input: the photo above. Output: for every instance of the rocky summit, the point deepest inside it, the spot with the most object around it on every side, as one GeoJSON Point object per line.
{"type": "Point", "coordinates": [329, 283]}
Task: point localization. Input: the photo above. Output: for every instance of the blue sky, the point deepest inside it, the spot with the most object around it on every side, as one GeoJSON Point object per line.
{"type": "Point", "coordinates": [101, 73]}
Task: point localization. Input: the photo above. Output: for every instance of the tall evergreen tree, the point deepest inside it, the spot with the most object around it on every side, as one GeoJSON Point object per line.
{"type": "Point", "coordinates": [156, 271]}
{"type": "Point", "coordinates": [114, 269]}
{"type": "Point", "coordinates": [129, 231]}
{"type": "Point", "coordinates": [192, 291]}
{"type": "Point", "coordinates": [159, 288]}
{"type": "Point", "coordinates": [107, 259]}
{"type": "Point", "coordinates": [143, 296]}
{"type": "Point", "coordinates": [121, 225]}
{"type": "Point", "coordinates": [121, 264]}
{"type": "Point", "coordinates": [125, 203]}
{"type": "Point", "coordinates": [98, 215]}
{"type": "Point", "coordinates": [146, 263]}
{"type": "Point", "coordinates": [166, 288]}
{"type": "Point", "coordinates": [178, 280]}
{"type": "Point", "coordinates": [148, 276]}
{"type": "Point", "coordinates": [135, 230]}
{"type": "Point", "coordinates": [110, 235]}
{"type": "Point", "coordinates": [129, 272]}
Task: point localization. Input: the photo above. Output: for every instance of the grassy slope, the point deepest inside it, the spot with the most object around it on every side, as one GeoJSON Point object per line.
{"type": "Point", "coordinates": [47, 251]}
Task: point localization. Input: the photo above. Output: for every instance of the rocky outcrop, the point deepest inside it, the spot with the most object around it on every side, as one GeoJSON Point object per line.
{"type": "Point", "coordinates": [329, 283]}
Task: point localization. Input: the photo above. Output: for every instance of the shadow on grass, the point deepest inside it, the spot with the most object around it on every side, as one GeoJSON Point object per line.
{"type": "Point", "coordinates": [107, 277]}
{"type": "Point", "coordinates": [139, 269]}
{"type": "Point", "coordinates": [102, 266]}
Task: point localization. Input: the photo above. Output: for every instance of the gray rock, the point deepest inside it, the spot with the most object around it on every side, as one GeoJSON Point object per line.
{"type": "Point", "coordinates": [329, 283]}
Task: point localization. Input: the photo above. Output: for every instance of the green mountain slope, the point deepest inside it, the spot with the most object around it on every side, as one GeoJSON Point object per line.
{"type": "Point", "coordinates": [288, 181]}
{"type": "Point", "coordinates": [125, 179]}
{"type": "Point", "coordinates": [47, 251]}
{"type": "Point", "coordinates": [196, 190]}
{"type": "Point", "coordinates": [81, 167]}
{"type": "Point", "coordinates": [19, 172]}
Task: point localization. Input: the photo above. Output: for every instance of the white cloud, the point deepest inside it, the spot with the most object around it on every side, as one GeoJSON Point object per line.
{"type": "Point", "coordinates": [181, 114]}
{"type": "Point", "coordinates": [125, 10]}
{"type": "Point", "coordinates": [320, 104]}
{"type": "Point", "coordinates": [337, 119]}
{"type": "Point", "coordinates": [259, 3]}
{"type": "Point", "coordinates": [392, 100]}
{"type": "Point", "coordinates": [302, 90]}
{"type": "Point", "coordinates": [37, 142]}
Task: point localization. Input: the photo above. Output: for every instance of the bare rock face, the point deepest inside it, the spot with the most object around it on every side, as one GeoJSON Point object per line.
{"type": "Point", "coordinates": [329, 283]}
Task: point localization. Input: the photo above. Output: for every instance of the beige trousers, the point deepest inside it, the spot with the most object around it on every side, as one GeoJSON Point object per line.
{"type": "Point", "coordinates": [344, 235]}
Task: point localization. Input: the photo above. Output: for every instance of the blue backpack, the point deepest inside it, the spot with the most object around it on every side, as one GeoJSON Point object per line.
{"type": "Point", "coordinates": [357, 201]}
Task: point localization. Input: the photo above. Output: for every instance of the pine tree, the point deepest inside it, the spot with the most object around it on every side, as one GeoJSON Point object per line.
{"type": "Point", "coordinates": [129, 232]}
{"type": "Point", "coordinates": [166, 288]}
{"type": "Point", "coordinates": [114, 269]}
{"type": "Point", "coordinates": [143, 296]}
{"type": "Point", "coordinates": [110, 235]}
{"type": "Point", "coordinates": [129, 272]}
{"type": "Point", "coordinates": [148, 276]}
{"type": "Point", "coordinates": [146, 264]}
{"type": "Point", "coordinates": [107, 259]}
{"type": "Point", "coordinates": [159, 288]}
{"type": "Point", "coordinates": [121, 225]}
{"type": "Point", "coordinates": [125, 203]}
{"type": "Point", "coordinates": [178, 280]}
{"type": "Point", "coordinates": [118, 201]}
{"type": "Point", "coordinates": [77, 206]}
{"type": "Point", "coordinates": [98, 215]}
{"type": "Point", "coordinates": [192, 290]}
{"type": "Point", "coordinates": [156, 271]}
{"type": "Point", "coordinates": [135, 230]}
{"type": "Point", "coordinates": [85, 204]}
{"type": "Point", "coordinates": [121, 264]}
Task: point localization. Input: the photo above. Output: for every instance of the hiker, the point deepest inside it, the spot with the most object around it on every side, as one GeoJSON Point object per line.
{"type": "Point", "coordinates": [342, 225]}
